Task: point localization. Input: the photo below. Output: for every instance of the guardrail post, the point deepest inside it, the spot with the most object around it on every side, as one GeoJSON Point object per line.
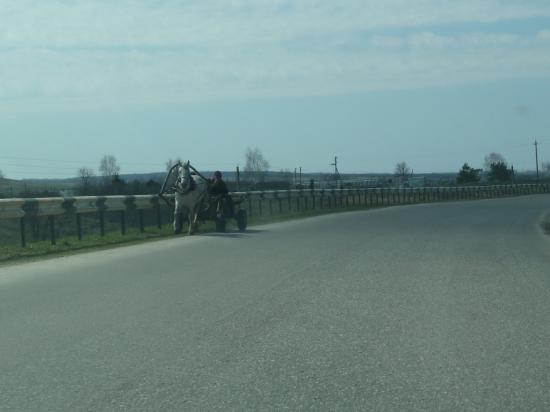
{"type": "Point", "coordinates": [141, 225]}
{"type": "Point", "coordinates": [122, 222]}
{"type": "Point", "coordinates": [159, 218]}
{"type": "Point", "coordinates": [22, 227]}
{"type": "Point", "coordinates": [102, 223]}
{"type": "Point", "coordinates": [249, 205]}
{"type": "Point", "coordinates": [289, 202]}
{"type": "Point", "coordinates": [78, 227]}
{"type": "Point", "coordinates": [100, 205]}
{"type": "Point", "coordinates": [51, 221]}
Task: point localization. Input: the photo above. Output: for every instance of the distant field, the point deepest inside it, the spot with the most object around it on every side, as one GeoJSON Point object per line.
{"type": "Point", "coordinates": [13, 188]}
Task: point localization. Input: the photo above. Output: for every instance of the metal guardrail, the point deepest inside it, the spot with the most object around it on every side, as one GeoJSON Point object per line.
{"type": "Point", "coordinates": [277, 201]}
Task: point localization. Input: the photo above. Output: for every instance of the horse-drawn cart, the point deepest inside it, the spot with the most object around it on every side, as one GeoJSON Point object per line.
{"type": "Point", "coordinates": [186, 191]}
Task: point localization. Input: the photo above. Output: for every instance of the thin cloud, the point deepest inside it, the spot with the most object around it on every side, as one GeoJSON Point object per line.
{"type": "Point", "coordinates": [154, 52]}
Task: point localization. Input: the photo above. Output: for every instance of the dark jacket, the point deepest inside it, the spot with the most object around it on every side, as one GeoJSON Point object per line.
{"type": "Point", "coordinates": [218, 187]}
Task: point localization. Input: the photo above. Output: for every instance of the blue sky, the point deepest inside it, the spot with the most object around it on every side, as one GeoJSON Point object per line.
{"type": "Point", "coordinates": [435, 83]}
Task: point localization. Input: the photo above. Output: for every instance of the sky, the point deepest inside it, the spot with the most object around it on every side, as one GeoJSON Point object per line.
{"type": "Point", "coordinates": [434, 83]}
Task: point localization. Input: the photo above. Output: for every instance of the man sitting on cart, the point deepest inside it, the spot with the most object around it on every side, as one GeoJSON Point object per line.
{"type": "Point", "coordinates": [221, 200]}
{"type": "Point", "coordinates": [217, 186]}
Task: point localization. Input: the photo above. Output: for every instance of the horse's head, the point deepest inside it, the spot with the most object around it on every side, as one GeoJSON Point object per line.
{"type": "Point", "coordinates": [184, 175]}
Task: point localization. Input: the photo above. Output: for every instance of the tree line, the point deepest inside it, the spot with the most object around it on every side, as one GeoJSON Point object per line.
{"type": "Point", "coordinates": [108, 181]}
{"type": "Point", "coordinates": [496, 169]}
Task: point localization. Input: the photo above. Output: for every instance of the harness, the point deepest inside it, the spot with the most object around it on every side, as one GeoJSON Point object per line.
{"type": "Point", "coordinates": [182, 184]}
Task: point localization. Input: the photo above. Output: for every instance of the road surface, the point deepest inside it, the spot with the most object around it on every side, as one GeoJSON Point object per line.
{"type": "Point", "coordinates": [426, 307]}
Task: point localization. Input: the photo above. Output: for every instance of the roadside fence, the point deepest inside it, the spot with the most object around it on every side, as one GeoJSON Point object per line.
{"type": "Point", "coordinates": [24, 220]}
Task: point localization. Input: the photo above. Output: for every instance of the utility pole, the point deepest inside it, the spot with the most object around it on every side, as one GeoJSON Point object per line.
{"type": "Point", "coordinates": [295, 180]}
{"type": "Point", "coordinates": [300, 176]}
{"type": "Point", "coordinates": [335, 164]}
{"type": "Point", "coordinates": [537, 157]}
{"type": "Point", "coordinates": [238, 178]}
{"type": "Point", "coordinates": [336, 173]}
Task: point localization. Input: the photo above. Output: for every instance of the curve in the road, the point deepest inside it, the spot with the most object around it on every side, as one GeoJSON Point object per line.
{"type": "Point", "coordinates": [441, 306]}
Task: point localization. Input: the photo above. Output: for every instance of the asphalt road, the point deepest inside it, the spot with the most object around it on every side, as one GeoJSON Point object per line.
{"type": "Point", "coordinates": [428, 307]}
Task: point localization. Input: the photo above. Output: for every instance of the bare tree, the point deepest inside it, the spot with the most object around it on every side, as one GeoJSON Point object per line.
{"type": "Point", "coordinates": [402, 169]}
{"type": "Point", "coordinates": [109, 167]}
{"type": "Point", "coordinates": [85, 174]}
{"type": "Point", "coordinates": [256, 165]}
{"type": "Point", "coordinates": [493, 159]}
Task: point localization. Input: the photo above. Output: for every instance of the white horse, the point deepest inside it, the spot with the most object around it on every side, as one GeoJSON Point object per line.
{"type": "Point", "coordinates": [191, 192]}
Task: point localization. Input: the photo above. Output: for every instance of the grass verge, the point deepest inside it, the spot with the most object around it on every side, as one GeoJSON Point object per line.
{"type": "Point", "coordinates": [68, 245]}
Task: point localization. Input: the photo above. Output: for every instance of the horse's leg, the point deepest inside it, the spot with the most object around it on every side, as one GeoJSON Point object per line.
{"type": "Point", "coordinates": [196, 219]}
{"type": "Point", "coordinates": [178, 218]}
{"type": "Point", "coordinates": [194, 216]}
{"type": "Point", "coordinates": [192, 222]}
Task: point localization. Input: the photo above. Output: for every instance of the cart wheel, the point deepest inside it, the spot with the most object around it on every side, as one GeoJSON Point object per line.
{"type": "Point", "coordinates": [220, 224]}
{"type": "Point", "coordinates": [242, 220]}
